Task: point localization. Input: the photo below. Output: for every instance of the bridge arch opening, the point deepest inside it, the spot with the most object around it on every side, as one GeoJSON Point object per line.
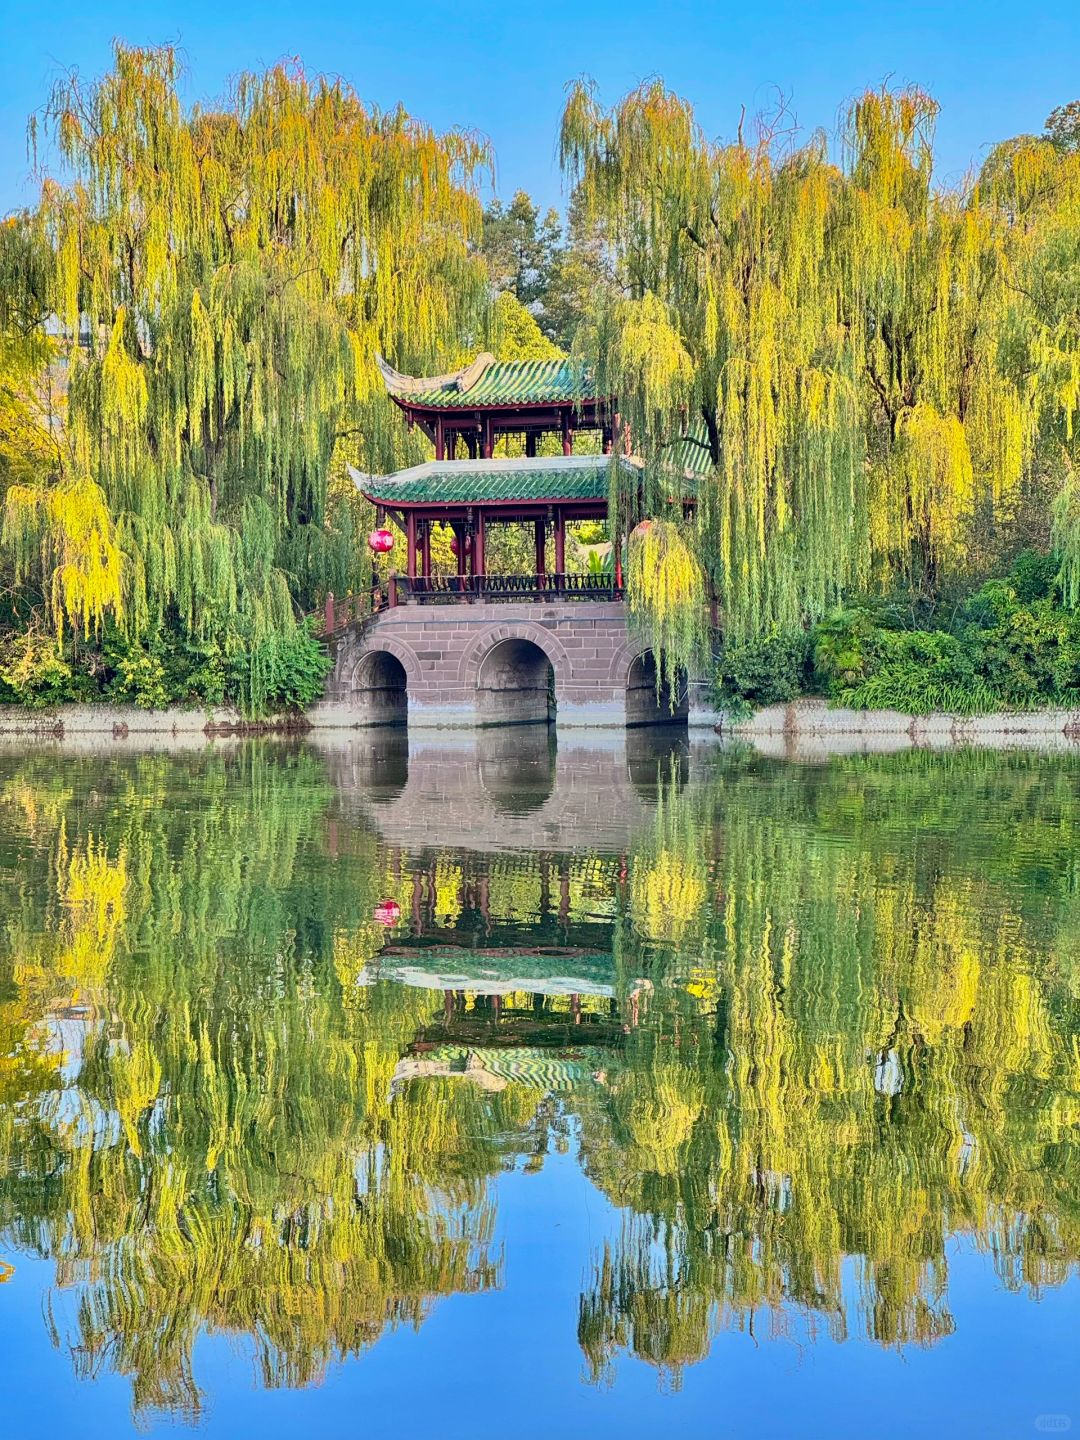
{"type": "Point", "coordinates": [649, 703]}
{"type": "Point", "coordinates": [516, 685]}
{"type": "Point", "coordinates": [380, 690]}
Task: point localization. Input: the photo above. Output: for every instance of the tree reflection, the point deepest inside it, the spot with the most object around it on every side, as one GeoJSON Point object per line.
{"type": "Point", "coordinates": [819, 1022]}
{"type": "Point", "coordinates": [870, 1046]}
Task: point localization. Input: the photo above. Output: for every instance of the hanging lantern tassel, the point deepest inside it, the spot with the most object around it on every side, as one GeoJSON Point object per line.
{"type": "Point", "coordinates": [380, 542]}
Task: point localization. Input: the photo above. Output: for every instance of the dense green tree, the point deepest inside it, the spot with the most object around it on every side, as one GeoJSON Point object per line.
{"type": "Point", "coordinates": [1063, 126]}
{"type": "Point", "coordinates": [520, 245]}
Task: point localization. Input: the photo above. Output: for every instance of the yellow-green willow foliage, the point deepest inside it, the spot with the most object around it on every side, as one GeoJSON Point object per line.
{"type": "Point", "coordinates": [29, 404]}
{"type": "Point", "coordinates": [667, 597]}
{"type": "Point", "coordinates": [838, 327]}
{"type": "Point", "coordinates": [225, 277]}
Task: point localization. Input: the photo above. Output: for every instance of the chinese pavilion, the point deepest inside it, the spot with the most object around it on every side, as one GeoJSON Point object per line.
{"type": "Point", "coordinates": [469, 488]}
{"type": "Point", "coordinates": [430, 650]}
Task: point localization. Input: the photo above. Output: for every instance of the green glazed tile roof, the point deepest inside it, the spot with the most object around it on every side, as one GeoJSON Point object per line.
{"type": "Point", "coordinates": [475, 482]}
{"type": "Point", "coordinates": [512, 382]}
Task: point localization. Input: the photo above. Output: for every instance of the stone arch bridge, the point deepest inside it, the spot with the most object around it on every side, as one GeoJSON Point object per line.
{"type": "Point", "coordinates": [468, 664]}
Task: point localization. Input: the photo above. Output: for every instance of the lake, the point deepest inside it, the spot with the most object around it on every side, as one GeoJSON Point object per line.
{"type": "Point", "coordinates": [479, 1085]}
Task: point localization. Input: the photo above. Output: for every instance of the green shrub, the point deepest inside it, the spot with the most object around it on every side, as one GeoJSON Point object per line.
{"type": "Point", "coordinates": [284, 673]}
{"type": "Point", "coordinates": [35, 672]}
{"type": "Point", "coordinates": [1012, 645]}
{"type": "Point", "coordinates": [847, 646]}
{"type": "Point", "coordinates": [770, 671]}
{"type": "Point", "coordinates": [171, 669]}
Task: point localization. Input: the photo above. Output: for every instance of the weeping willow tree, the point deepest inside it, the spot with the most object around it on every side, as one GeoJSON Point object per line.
{"type": "Point", "coordinates": [224, 278]}
{"type": "Point", "coordinates": [852, 344]}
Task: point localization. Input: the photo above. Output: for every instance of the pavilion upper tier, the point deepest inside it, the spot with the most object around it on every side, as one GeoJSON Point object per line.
{"type": "Point", "coordinates": [489, 398]}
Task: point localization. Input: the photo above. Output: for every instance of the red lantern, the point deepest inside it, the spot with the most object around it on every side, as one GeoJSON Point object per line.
{"type": "Point", "coordinates": [454, 547]}
{"type": "Point", "coordinates": [380, 541]}
{"type": "Point", "coordinates": [640, 531]}
{"type": "Point", "coordinates": [387, 912]}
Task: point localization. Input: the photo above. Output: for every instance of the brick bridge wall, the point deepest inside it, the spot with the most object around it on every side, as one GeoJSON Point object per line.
{"type": "Point", "coordinates": [474, 664]}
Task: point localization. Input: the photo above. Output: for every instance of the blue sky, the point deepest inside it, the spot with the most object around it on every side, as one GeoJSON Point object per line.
{"type": "Point", "coordinates": [501, 68]}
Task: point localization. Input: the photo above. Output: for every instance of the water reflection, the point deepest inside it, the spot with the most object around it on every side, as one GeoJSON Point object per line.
{"type": "Point", "coordinates": [801, 1026]}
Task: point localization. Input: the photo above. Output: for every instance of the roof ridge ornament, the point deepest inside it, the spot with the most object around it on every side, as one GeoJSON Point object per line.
{"type": "Point", "coordinates": [461, 380]}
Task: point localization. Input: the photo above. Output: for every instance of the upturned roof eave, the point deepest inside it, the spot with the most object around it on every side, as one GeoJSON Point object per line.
{"type": "Point", "coordinates": [466, 406]}
{"type": "Point", "coordinates": [520, 503]}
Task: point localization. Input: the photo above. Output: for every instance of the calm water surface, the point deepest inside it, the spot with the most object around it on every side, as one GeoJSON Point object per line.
{"type": "Point", "coordinates": [689, 1091]}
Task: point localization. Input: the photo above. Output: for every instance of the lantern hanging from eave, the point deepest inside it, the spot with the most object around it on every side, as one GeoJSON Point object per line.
{"type": "Point", "coordinates": [380, 542]}
{"type": "Point", "coordinates": [455, 548]}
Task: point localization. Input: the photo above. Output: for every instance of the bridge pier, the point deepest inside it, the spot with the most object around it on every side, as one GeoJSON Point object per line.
{"type": "Point", "coordinates": [465, 665]}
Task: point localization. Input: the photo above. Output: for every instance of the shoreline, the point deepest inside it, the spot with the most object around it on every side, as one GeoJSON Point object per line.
{"type": "Point", "coordinates": [807, 725]}
{"type": "Point", "coordinates": [811, 717]}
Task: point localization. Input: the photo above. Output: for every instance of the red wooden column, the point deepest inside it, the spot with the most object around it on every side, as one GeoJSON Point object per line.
{"type": "Point", "coordinates": [425, 550]}
{"type": "Point", "coordinates": [567, 434]}
{"type": "Point", "coordinates": [478, 544]}
{"type": "Point", "coordinates": [451, 443]}
{"type": "Point", "coordinates": [560, 543]}
{"type": "Point", "coordinates": [489, 438]}
{"type": "Point", "coordinates": [541, 546]}
{"type": "Point", "coordinates": [440, 439]}
{"type": "Point", "coordinates": [616, 555]}
{"type": "Point", "coordinates": [410, 543]}
{"type": "Point", "coordinates": [530, 443]}
{"type": "Point", "coordinates": [459, 536]}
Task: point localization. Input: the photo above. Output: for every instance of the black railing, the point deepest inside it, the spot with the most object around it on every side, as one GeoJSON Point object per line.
{"type": "Point", "coordinates": [448, 589]}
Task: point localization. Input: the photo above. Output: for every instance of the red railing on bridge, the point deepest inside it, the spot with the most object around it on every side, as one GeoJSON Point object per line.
{"type": "Point", "coordinates": [465, 589]}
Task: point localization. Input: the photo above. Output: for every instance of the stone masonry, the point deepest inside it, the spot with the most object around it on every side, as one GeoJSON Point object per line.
{"type": "Point", "coordinates": [477, 664]}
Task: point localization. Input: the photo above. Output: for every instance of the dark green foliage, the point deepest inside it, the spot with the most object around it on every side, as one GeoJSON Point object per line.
{"type": "Point", "coordinates": [171, 669]}
{"type": "Point", "coordinates": [288, 670]}
{"type": "Point", "coordinates": [520, 246]}
{"type": "Point", "coordinates": [283, 674]}
{"type": "Point", "coordinates": [770, 671]}
{"type": "Point", "coordinates": [1011, 646]}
